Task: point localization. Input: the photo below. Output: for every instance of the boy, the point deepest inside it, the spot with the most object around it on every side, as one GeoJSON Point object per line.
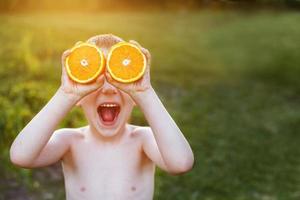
{"type": "Point", "coordinates": [109, 158]}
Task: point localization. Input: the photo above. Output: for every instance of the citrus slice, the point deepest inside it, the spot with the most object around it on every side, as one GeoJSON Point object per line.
{"type": "Point", "coordinates": [126, 62]}
{"type": "Point", "coordinates": [85, 63]}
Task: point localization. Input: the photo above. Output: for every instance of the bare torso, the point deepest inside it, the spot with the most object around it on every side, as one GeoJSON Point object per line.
{"type": "Point", "coordinates": [95, 170]}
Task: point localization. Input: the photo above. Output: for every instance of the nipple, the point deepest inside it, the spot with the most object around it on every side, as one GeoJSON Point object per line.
{"type": "Point", "coordinates": [133, 188]}
{"type": "Point", "coordinates": [82, 189]}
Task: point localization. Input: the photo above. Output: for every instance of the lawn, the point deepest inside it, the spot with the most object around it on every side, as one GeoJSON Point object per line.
{"type": "Point", "coordinates": [230, 80]}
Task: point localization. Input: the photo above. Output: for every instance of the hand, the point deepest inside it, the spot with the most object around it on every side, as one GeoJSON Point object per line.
{"type": "Point", "coordinates": [140, 85]}
{"type": "Point", "coordinates": [74, 89]}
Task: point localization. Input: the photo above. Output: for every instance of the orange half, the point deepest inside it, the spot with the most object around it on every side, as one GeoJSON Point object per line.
{"type": "Point", "coordinates": [85, 63]}
{"type": "Point", "coordinates": [126, 62]}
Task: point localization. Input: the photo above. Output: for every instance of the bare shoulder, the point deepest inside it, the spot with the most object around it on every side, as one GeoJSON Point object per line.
{"type": "Point", "coordinates": [141, 132]}
{"type": "Point", "coordinates": [68, 134]}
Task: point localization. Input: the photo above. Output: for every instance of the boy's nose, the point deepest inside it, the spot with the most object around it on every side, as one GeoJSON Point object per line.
{"type": "Point", "coordinates": [107, 88]}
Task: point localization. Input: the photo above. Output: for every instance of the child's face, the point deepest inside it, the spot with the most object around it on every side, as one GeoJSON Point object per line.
{"type": "Point", "coordinates": [107, 109]}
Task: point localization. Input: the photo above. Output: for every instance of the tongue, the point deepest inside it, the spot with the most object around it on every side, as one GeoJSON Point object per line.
{"type": "Point", "coordinates": [108, 114]}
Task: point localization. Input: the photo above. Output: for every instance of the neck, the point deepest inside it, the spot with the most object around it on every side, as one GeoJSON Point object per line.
{"type": "Point", "coordinates": [115, 138]}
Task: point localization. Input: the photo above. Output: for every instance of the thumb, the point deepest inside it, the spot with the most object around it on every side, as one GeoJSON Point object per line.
{"type": "Point", "coordinates": [110, 79]}
{"type": "Point", "coordinates": [98, 83]}
{"type": "Point", "coordinates": [100, 80]}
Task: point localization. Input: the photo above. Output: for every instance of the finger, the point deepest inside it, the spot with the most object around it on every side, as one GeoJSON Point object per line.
{"type": "Point", "coordinates": [110, 79]}
{"type": "Point", "coordinates": [147, 54]}
{"type": "Point", "coordinates": [65, 76]}
{"type": "Point", "coordinates": [148, 60]}
{"type": "Point", "coordinates": [136, 44]}
{"type": "Point", "coordinates": [64, 56]}
{"type": "Point", "coordinates": [97, 84]}
{"type": "Point", "coordinates": [144, 50]}
{"type": "Point", "coordinates": [100, 79]}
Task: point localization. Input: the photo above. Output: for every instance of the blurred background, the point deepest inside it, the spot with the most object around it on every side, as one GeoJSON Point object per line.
{"type": "Point", "coordinates": [227, 71]}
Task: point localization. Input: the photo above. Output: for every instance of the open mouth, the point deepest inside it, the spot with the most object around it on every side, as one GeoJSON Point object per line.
{"type": "Point", "coordinates": [108, 112]}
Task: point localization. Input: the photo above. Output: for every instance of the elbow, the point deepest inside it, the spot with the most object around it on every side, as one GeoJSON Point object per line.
{"type": "Point", "coordinates": [19, 159]}
{"type": "Point", "coordinates": [184, 166]}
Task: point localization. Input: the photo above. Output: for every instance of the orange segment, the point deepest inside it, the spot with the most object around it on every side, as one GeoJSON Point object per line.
{"type": "Point", "coordinates": [85, 63]}
{"type": "Point", "coordinates": [126, 62]}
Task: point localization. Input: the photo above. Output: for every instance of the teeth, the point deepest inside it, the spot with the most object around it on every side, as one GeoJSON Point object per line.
{"type": "Point", "coordinates": [109, 105]}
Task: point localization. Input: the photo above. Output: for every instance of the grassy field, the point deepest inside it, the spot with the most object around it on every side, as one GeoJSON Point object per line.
{"type": "Point", "coordinates": [230, 80]}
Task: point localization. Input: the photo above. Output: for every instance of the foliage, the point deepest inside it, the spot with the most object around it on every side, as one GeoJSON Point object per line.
{"type": "Point", "coordinates": [100, 5]}
{"type": "Point", "coordinates": [229, 79]}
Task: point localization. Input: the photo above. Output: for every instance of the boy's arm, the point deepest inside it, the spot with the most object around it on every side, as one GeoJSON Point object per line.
{"type": "Point", "coordinates": [33, 146]}
{"type": "Point", "coordinates": [32, 140]}
{"type": "Point", "coordinates": [55, 149]}
{"type": "Point", "coordinates": [167, 140]}
{"type": "Point", "coordinates": [165, 144]}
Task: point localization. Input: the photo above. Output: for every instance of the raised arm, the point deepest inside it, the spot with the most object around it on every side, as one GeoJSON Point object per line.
{"type": "Point", "coordinates": [36, 145]}
{"type": "Point", "coordinates": [164, 144]}
{"type": "Point", "coordinates": [175, 151]}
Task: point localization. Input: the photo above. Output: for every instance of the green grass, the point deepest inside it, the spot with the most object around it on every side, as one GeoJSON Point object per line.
{"type": "Point", "coordinates": [229, 79]}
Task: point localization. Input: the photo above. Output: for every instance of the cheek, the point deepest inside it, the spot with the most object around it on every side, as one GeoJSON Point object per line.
{"type": "Point", "coordinates": [127, 100]}
{"type": "Point", "coordinates": [128, 110]}
{"type": "Point", "coordinates": [89, 99]}
{"type": "Point", "coordinates": [88, 105]}
{"type": "Point", "coordinates": [130, 103]}
{"type": "Point", "coordinates": [88, 111]}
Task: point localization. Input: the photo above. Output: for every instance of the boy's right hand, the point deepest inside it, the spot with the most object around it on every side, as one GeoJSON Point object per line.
{"type": "Point", "coordinates": [73, 89]}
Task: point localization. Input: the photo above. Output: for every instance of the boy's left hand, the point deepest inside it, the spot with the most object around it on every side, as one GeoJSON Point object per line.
{"type": "Point", "coordinates": [138, 86]}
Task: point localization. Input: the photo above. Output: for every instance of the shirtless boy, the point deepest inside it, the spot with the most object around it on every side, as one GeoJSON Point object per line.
{"type": "Point", "coordinates": [109, 158]}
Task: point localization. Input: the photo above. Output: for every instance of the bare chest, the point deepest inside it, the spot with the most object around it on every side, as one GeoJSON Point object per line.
{"type": "Point", "coordinates": [105, 170]}
{"type": "Point", "coordinates": [106, 158]}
